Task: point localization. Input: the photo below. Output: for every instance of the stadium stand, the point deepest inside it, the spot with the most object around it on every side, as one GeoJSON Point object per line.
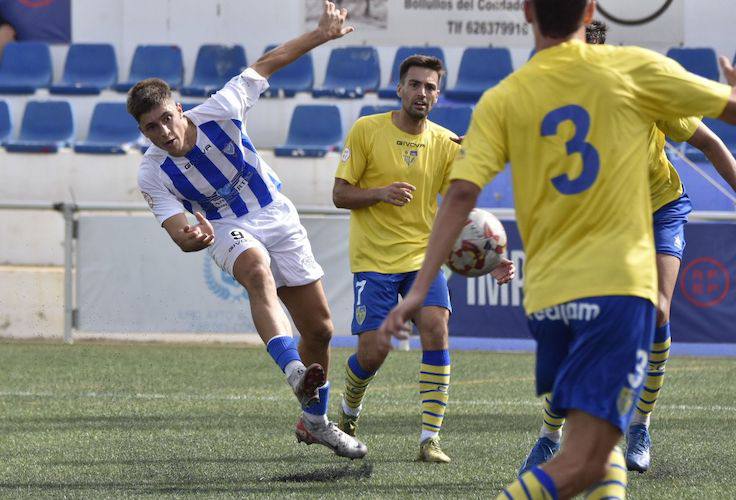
{"type": "Point", "coordinates": [374, 109]}
{"type": "Point", "coordinates": [455, 118]}
{"type": "Point", "coordinates": [46, 127]}
{"type": "Point", "coordinates": [296, 77]}
{"type": "Point", "coordinates": [314, 131]}
{"type": "Point", "coordinates": [726, 132]}
{"type": "Point", "coordinates": [351, 72]}
{"type": "Point", "coordinates": [160, 61]}
{"type": "Point", "coordinates": [389, 92]}
{"type": "Point", "coordinates": [6, 122]}
{"type": "Point", "coordinates": [701, 61]}
{"type": "Point", "coordinates": [480, 69]}
{"type": "Point", "coordinates": [89, 68]}
{"type": "Point", "coordinates": [25, 67]}
{"type": "Point", "coordinates": [215, 65]}
{"type": "Point", "coordinates": [499, 193]}
{"type": "Point", "coordinates": [111, 131]}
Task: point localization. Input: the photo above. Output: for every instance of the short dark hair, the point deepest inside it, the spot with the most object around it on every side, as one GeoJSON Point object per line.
{"type": "Point", "coordinates": [422, 61]}
{"type": "Point", "coordinates": [559, 18]}
{"type": "Point", "coordinates": [595, 33]}
{"type": "Point", "coordinates": [146, 95]}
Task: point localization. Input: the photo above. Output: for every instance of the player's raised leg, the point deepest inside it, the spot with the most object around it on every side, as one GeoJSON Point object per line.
{"type": "Point", "coordinates": [252, 270]}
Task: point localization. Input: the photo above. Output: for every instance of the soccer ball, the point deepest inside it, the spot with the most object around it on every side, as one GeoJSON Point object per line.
{"type": "Point", "coordinates": [480, 246]}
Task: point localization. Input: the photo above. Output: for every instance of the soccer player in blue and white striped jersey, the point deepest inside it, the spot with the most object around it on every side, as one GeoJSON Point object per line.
{"type": "Point", "coordinates": [203, 161]}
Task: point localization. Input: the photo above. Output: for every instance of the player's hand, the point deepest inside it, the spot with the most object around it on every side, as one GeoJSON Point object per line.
{"type": "Point", "coordinates": [504, 272]}
{"type": "Point", "coordinates": [332, 22]}
{"type": "Point", "coordinates": [397, 323]}
{"type": "Point", "coordinates": [398, 193]}
{"type": "Point", "coordinates": [729, 72]}
{"type": "Point", "coordinates": [198, 236]}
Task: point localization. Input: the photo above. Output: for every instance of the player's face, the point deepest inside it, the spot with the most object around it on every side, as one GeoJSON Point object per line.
{"type": "Point", "coordinates": [165, 126]}
{"type": "Point", "coordinates": [419, 91]}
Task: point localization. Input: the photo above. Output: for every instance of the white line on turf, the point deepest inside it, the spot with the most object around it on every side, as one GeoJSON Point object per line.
{"type": "Point", "coordinates": [245, 397]}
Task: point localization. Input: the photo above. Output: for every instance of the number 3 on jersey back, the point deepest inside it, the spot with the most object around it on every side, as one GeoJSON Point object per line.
{"type": "Point", "coordinates": [591, 161]}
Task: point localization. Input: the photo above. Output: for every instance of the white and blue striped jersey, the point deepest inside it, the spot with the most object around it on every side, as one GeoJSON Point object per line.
{"type": "Point", "coordinates": [223, 176]}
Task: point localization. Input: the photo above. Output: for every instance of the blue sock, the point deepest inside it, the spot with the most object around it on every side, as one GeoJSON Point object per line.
{"type": "Point", "coordinates": [436, 358]}
{"type": "Point", "coordinates": [357, 369]}
{"type": "Point", "coordinates": [662, 333]}
{"type": "Point", "coordinates": [283, 350]}
{"type": "Point", "coordinates": [324, 398]}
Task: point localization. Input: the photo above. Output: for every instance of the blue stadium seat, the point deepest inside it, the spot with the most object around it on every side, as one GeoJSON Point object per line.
{"type": "Point", "coordinates": [186, 106]}
{"type": "Point", "coordinates": [455, 118]}
{"type": "Point", "coordinates": [374, 109]}
{"type": "Point", "coordinates": [702, 61]}
{"type": "Point", "coordinates": [314, 131]}
{"type": "Point", "coordinates": [25, 67]}
{"type": "Point", "coordinates": [389, 92]}
{"type": "Point", "coordinates": [47, 126]}
{"type": "Point", "coordinates": [351, 72]}
{"type": "Point", "coordinates": [160, 61]}
{"type": "Point", "coordinates": [296, 77]}
{"type": "Point", "coordinates": [89, 68]}
{"type": "Point", "coordinates": [499, 193]}
{"type": "Point", "coordinates": [111, 131]}
{"type": "Point", "coordinates": [480, 69]}
{"type": "Point", "coordinates": [702, 194]}
{"type": "Point", "coordinates": [216, 64]}
{"type": "Point", "coordinates": [726, 132]}
{"type": "Point", "coordinates": [6, 122]}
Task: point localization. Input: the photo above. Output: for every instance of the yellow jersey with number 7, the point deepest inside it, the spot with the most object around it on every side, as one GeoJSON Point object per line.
{"type": "Point", "coordinates": [574, 122]}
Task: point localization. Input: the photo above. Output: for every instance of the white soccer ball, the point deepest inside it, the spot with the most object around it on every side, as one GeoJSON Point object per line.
{"type": "Point", "coordinates": [480, 246]}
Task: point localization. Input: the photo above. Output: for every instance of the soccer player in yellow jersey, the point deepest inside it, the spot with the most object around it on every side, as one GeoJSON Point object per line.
{"type": "Point", "coordinates": [392, 169]}
{"type": "Point", "coordinates": [671, 207]}
{"type": "Point", "coordinates": [574, 124]}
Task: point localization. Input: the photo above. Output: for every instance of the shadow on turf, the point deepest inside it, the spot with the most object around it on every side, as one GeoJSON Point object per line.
{"type": "Point", "coordinates": [365, 470]}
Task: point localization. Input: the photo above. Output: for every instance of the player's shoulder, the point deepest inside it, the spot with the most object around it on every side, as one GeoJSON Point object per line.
{"type": "Point", "coordinates": [439, 132]}
{"type": "Point", "coordinates": [373, 122]}
{"type": "Point", "coordinates": [151, 162]}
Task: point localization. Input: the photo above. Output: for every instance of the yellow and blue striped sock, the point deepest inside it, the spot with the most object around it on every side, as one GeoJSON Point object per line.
{"type": "Point", "coordinates": [552, 422]}
{"type": "Point", "coordinates": [434, 382]}
{"type": "Point", "coordinates": [534, 484]}
{"type": "Point", "coordinates": [356, 382]}
{"type": "Point", "coordinates": [658, 357]}
{"type": "Point", "coordinates": [613, 486]}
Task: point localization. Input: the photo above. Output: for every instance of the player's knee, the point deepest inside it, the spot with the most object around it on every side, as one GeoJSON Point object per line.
{"type": "Point", "coordinates": [255, 277]}
{"type": "Point", "coordinates": [318, 331]}
{"type": "Point", "coordinates": [587, 469]}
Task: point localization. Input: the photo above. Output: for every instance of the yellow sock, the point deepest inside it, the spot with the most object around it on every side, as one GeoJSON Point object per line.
{"type": "Point", "coordinates": [356, 382]}
{"type": "Point", "coordinates": [534, 484]}
{"type": "Point", "coordinates": [658, 357]}
{"type": "Point", "coordinates": [552, 422]}
{"type": "Point", "coordinates": [613, 486]}
{"type": "Point", "coordinates": [434, 382]}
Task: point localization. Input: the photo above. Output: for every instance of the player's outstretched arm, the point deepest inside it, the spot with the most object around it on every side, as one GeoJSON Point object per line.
{"type": "Point", "coordinates": [346, 195]}
{"type": "Point", "coordinates": [717, 153]}
{"type": "Point", "coordinates": [190, 238]}
{"type": "Point", "coordinates": [331, 26]}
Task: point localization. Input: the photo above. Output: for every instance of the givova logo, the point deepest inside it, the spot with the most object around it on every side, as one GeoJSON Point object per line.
{"type": "Point", "coordinates": [222, 285]}
{"type": "Point", "coordinates": [633, 12]}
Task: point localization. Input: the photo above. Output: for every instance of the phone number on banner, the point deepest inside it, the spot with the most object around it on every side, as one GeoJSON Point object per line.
{"type": "Point", "coordinates": [487, 28]}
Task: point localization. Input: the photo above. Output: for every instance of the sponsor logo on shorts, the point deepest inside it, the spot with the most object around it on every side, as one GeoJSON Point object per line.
{"type": "Point", "coordinates": [571, 311]}
{"type": "Point", "coordinates": [345, 155]}
{"type": "Point", "coordinates": [678, 242]}
{"type": "Point", "coordinates": [360, 313]}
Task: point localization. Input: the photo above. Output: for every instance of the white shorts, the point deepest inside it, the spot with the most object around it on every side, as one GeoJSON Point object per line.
{"type": "Point", "coordinates": [275, 229]}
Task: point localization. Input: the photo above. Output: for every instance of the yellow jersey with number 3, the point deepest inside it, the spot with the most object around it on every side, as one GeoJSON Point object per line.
{"type": "Point", "coordinates": [664, 180]}
{"type": "Point", "coordinates": [385, 238]}
{"type": "Point", "coordinates": [574, 122]}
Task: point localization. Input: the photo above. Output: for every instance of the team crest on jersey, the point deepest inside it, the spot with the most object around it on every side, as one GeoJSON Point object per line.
{"type": "Point", "coordinates": [148, 198]}
{"type": "Point", "coordinates": [625, 400]}
{"type": "Point", "coordinates": [229, 149]}
{"type": "Point", "coordinates": [410, 155]}
{"type": "Point", "coordinates": [360, 314]}
{"type": "Point", "coordinates": [345, 155]}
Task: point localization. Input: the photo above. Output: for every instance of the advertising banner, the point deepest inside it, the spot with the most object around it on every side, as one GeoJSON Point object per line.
{"type": "Point", "coordinates": [132, 278]}
{"type": "Point", "coordinates": [496, 22]}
